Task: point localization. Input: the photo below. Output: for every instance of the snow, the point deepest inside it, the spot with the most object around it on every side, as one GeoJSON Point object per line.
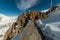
{"type": "Point", "coordinates": [45, 10]}
{"type": "Point", "coordinates": [51, 25]}
{"type": "Point", "coordinates": [5, 23]}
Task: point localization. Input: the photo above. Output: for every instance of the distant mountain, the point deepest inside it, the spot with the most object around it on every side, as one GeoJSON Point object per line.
{"type": "Point", "coordinates": [46, 23]}
{"type": "Point", "coordinates": [5, 23]}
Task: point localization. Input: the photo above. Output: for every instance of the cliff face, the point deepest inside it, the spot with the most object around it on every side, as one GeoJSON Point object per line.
{"type": "Point", "coordinates": [24, 22]}
{"type": "Point", "coordinates": [21, 22]}
{"type": "Point", "coordinates": [31, 15]}
{"type": "Point", "coordinates": [10, 32]}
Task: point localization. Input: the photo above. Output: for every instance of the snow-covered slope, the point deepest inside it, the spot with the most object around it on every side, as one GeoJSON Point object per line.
{"type": "Point", "coordinates": [45, 10]}
{"type": "Point", "coordinates": [5, 23]}
{"type": "Point", "coordinates": [51, 25]}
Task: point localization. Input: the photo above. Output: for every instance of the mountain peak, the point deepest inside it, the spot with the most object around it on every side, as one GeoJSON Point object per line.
{"type": "Point", "coordinates": [25, 17]}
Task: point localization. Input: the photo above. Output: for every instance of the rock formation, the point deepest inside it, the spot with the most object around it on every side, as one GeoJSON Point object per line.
{"type": "Point", "coordinates": [23, 20]}
{"type": "Point", "coordinates": [21, 23]}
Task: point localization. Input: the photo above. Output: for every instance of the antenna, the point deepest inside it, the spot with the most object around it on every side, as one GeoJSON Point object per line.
{"type": "Point", "coordinates": [50, 5]}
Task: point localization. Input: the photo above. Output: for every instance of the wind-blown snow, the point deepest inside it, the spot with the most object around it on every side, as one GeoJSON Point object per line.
{"type": "Point", "coordinates": [51, 25]}
{"type": "Point", "coordinates": [5, 23]}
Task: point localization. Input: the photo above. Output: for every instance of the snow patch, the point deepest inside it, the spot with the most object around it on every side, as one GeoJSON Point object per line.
{"type": "Point", "coordinates": [5, 23]}
{"type": "Point", "coordinates": [51, 26]}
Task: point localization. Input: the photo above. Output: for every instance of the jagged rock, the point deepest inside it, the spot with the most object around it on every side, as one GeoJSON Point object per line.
{"type": "Point", "coordinates": [31, 15]}
{"type": "Point", "coordinates": [51, 9]}
{"type": "Point", "coordinates": [11, 32]}
{"type": "Point", "coordinates": [30, 32]}
{"type": "Point", "coordinates": [21, 19]}
{"type": "Point", "coordinates": [22, 22]}
{"type": "Point", "coordinates": [30, 28]}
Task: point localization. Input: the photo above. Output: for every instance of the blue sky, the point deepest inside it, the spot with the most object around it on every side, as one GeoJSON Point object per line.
{"type": "Point", "coordinates": [15, 7]}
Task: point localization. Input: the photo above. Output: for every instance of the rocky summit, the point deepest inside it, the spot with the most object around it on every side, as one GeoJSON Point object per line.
{"type": "Point", "coordinates": [22, 22]}
{"type": "Point", "coordinates": [26, 25]}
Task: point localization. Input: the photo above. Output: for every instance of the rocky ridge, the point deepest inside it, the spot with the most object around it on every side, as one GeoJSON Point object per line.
{"type": "Point", "coordinates": [23, 20]}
